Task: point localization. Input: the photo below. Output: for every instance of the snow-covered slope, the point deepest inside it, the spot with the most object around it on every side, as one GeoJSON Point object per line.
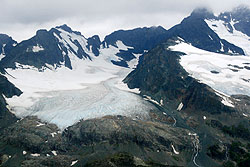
{"type": "Point", "coordinates": [233, 36]}
{"type": "Point", "coordinates": [92, 88]}
{"type": "Point", "coordinates": [228, 75]}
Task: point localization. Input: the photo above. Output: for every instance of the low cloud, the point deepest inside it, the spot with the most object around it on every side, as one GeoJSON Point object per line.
{"type": "Point", "coordinates": [21, 19]}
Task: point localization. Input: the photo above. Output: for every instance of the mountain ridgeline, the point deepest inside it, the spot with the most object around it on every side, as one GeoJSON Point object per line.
{"type": "Point", "coordinates": [54, 47]}
{"type": "Point", "coordinates": [188, 123]}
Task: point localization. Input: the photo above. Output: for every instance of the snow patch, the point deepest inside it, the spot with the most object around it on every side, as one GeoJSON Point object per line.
{"type": "Point", "coordinates": [53, 134]}
{"type": "Point", "coordinates": [54, 153]}
{"type": "Point", "coordinates": [134, 62]}
{"type": "Point", "coordinates": [245, 115]}
{"type": "Point", "coordinates": [161, 102]}
{"type": "Point", "coordinates": [39, 124]}
{"type": "Point", "coordinates": [222, 47]}
{"type": "Point", "coordinates": [74, 162]}
{"type": "Point", "coordinates": [180, 106]}
{"type": "Point", "coordinates": [35, 155]}
{"type": "Point", "coordinates": [210, 37]}
{"type": "Point", "coordinates": [122, 46]}
{"type": "Point", "coordinates": [148, 98]}
{"type": "Point", "coordinates": [37, 48]}
{"type": "Point", "coordinates": [176, 152]}
{"type": "Point", "coordinates": [2, 55]}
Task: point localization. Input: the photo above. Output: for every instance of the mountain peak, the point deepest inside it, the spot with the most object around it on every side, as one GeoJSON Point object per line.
{"type": "Point", "coordinates": [66, 28]}
{"type": "Point", "coordinates": [4, 39]}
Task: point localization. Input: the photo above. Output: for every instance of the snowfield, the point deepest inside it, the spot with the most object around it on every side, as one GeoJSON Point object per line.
{"type": "Point", "coordinates": [92, 89]}
{"type": "Point", "coordinates": [236, 37]}
{"type": "Point", "coordinates": [228, 75]}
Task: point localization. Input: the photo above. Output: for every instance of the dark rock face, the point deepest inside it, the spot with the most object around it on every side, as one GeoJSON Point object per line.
{"type": "Point", "coordinates": [160, 75]}
{"type": "Point", "coordinates": [240, 15]}
{"type": "Point", "coordinates": [6, 117]}
{"type": "Point", "coordinates": [195, 30]}
{"type": "Point", "coordinates": [23, 52]}
{"type": "Point", "coordinates": [8, 90]}
{"type": "Point", "coordinates": [95, 43]}
{"type": "Point", "coordinates": [6, 44]}
{"type": "Point", "coordinates": [140, 39]}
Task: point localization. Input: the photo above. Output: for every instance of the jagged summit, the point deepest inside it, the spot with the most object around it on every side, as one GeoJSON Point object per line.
{"type": "Point", "coordinates": [6, 44]}
{"type": "Point", "coordinates": [66, 28]}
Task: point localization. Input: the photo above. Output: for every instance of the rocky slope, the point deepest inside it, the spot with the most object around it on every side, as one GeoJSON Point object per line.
{"type": "Point", "coordinates": [87, 141]}
{"type": "Point", "coordinates": [192, 103]}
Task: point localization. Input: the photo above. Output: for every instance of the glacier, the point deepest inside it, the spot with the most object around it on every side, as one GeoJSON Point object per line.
{"type": "Point", "coordinates": [92, 89]}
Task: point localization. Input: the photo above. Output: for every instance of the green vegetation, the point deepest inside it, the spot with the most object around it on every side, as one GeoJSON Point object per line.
{"type": "Point", "coordinates": [240, 154]}
{"type": "Point", "coordinates": [239, 131]}
{"type": "Point", "coordinates": [228, 164]}
{"type": "Point", "coordinates": [123, 160]}
{"type": "Point", "coordinates": [216, 152]}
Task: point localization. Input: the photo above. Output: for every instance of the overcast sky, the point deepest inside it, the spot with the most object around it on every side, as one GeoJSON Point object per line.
{"type": "Point", "coordinates": [21, 18]}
